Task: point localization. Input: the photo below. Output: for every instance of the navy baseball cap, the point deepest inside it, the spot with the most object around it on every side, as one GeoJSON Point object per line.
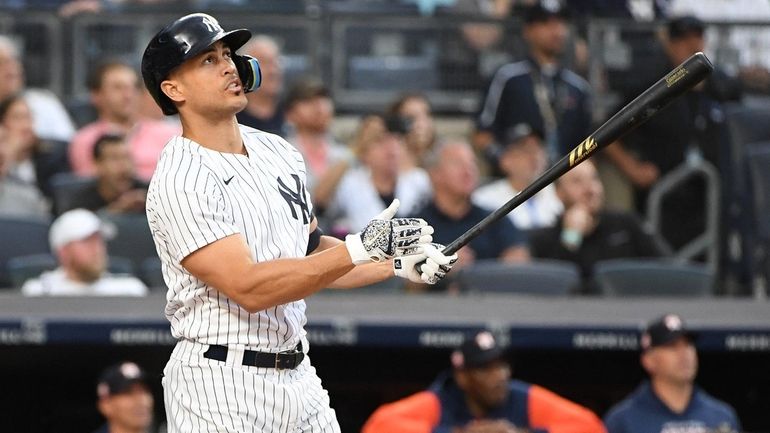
{"type": "Point", "coordinates": [664, 330]}
{"type": "Point", "coordinates": [543, 10]}
{"type": "Point", "coordinates": [477, 352]}
{"type": "Point", "coordinates": [118, 378]}
{"type": "Point", "coordinates": [684, 26]}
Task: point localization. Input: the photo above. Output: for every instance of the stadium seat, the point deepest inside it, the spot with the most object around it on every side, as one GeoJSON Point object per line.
{"type": "Point", "coordinates": [150, 272]}
{"type": "Point", "coordinates": [758, 161]}
{"type": "Point", "coordinates": [653, 277]}
{"type": "Point", "coordinates": [132, 240]}
{"type": "Point", "coordinates": [65, 187]}
{"type": "Point", "coordinates": [539, 277]}
{"type": "Point", "coordinates": [390, 73]}
{"type": "Point", "coordinates": [20, 237]}
{"type": "Point", "coordinates": [22, 268]}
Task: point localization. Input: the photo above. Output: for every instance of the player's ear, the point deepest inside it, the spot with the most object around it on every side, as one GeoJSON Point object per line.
{"type": "Point", "coordinates": [173, 90]}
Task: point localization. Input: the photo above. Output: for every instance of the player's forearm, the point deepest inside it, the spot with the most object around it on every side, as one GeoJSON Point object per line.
{"type": "Point", "coordinates": [280, 281]}
{"type": "Point", "coordinates": [363, 275]}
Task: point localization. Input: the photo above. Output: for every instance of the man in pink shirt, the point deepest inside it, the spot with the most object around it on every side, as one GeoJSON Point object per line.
{"type": "Point", "coordinates": [115, 93]}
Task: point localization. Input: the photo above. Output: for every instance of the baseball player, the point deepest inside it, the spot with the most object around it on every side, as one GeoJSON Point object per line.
{"type": "Point", "coordinates": [240, 248]}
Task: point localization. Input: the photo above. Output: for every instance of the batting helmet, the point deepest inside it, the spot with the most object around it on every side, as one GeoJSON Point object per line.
{"type": "Point", "coordinates": [184, 39]}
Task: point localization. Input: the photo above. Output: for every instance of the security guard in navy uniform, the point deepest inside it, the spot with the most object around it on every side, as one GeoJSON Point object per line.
{"type": "Point", "coordinates": [670, 402]}
{"type": "Point", "coordinates": [537, 90]}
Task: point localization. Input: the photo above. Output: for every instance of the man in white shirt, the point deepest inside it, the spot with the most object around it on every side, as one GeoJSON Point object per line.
{"type": "Point", "coordinates": [77, 240]}
{"type": "Point", "coordinates": [522, 160]}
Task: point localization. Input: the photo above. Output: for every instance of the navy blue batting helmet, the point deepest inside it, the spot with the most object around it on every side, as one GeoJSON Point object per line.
{"type": "Point", "coordinates": [182, 40]}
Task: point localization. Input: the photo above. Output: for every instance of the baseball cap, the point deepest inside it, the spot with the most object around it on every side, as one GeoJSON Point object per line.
{"type": "Point", "coordinates": [664, 330]}
{"type": "Point", "coordinates": [683, 26]}
{"type": "Point", "coordinates": [543, 10]}
{"type": "Point", "coordinates": [118, 378]}
{"type": "Point", "coordinates": [305, 89]}
{"type": "Point", "coordinates": [75, 225]}
{"type": "Point", "coordinates": [477, 351]}
{"type": "Point", "coordinates": [519, 131]}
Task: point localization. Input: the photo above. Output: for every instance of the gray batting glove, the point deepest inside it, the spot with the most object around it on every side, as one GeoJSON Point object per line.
{"type": "Point", "coordinates": [385, 237]}
{"type": "Point", "coordinates": [437, 265]}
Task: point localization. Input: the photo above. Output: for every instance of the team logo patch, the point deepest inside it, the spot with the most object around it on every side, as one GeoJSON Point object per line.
{"type": "Point", "coordinates": [297, 200]}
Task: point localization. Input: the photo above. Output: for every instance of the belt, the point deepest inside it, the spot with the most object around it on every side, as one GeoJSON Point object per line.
{"type": "Point", "coordinates": [288, 359]}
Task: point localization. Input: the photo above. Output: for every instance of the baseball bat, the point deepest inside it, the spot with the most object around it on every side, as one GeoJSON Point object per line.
{"type": "Point", "coordinates": [659, 95]}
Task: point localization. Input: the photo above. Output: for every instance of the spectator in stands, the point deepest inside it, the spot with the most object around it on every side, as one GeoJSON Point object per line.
{"type": "Point", "coordinates": [670, 401]}
{"type": "Point", "coordinates": [421, 137]}
{"type": "Point", "coordinates": [31, 160]}
{"type": "Point", "coordinates": [115, 93]}
{"type": "Point", "coordinates": [691, 129]}
{"type": "Point", "coordinates": [51, 119]}
{"type": "Point", "coordinates": [124, 399]}
{"type": "Point", "coordinates": [586, 233]}
{"type": "Point", "coordinates": [368, 189]}
{"type": "Point", "coordinates": [537, 90]}
{"type": "Point", "coordinates": [454, 175]}
{"type": "Point", "coordinates": [522, 160]}
{"type": "Point", "coordinates": [115, 188]}
{"type": "Point", "coordinates": [77, 239]}
{"type": "Point", "coordinates": [310, 111]}
{"type": "Point", "coordinates": [479, 396]}
{"type": "Point", "coordinates": [263, 110]}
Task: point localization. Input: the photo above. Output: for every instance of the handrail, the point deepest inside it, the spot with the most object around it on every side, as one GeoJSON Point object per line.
{"type": "Point", "coordinates": [708, 241]}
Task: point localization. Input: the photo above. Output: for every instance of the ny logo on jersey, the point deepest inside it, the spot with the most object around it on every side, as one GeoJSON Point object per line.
{"type": "Point", "coordinates": [295, 198]}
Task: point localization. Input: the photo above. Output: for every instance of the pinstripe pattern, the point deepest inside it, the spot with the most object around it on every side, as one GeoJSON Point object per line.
{"type": "Point", "coordinates": [189, 205]}
{"type": "Point", "coordinates": [203, 395]}
{"type": "Point", "coordinates": [196, 197]}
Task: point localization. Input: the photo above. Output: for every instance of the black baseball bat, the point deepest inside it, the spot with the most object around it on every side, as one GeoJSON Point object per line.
{"type": "Point", "coordinates": [659, 95]}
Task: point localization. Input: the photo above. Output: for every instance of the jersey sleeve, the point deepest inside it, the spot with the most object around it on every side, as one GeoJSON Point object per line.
{"type": "Point", "coordinates": [419, 413]}
{"type": "Point", "coordinates": [554, 414]}
{"type": "Point", "coordinates": [189, 211]}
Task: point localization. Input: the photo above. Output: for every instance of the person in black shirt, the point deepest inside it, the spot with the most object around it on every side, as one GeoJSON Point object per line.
{"type": "Point", "coordinates": [691, 127]}
{"type": "Point", "coordinates": [585, 233]}
{"type": "Point", "coordinates": [115, 188]}
{"type": "Point", "coordinates": [264, 110]}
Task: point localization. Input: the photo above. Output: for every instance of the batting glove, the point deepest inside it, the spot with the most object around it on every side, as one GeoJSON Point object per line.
{"type": "Point", "coordinates": [385, 237]}
{"type": "Point", "coordinates": [427, 265]}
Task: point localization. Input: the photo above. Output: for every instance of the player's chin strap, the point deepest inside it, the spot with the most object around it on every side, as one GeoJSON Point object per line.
{"type": "Point", "coordinates": [248, 71]}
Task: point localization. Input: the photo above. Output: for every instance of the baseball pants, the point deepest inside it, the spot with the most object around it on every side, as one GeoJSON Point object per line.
{"type": "Point", "coordinates": [205, 395]}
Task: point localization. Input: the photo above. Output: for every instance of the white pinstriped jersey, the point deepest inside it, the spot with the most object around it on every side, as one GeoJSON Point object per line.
{"type": "Point", "coordinates": [198, 196]}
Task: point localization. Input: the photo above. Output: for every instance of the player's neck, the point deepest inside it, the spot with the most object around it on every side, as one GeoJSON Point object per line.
{"type": "Point", "coordinates": [221, 135]}
{"type": "Point", "coordinates": [676, 396]}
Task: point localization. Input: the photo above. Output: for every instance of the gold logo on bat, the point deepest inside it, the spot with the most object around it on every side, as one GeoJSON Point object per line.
{"type": "Point", "coordinates": [675, 76]}
{"type": "Point", "coordinates": [582, 151]}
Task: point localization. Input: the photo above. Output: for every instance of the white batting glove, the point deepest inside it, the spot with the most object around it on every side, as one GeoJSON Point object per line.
{"type": "Point", "coordinates": [385, 237]}
{"type": "Point", "coordinates": [437, 265]}
{"type": "Point", "coordinates": [426, 265]}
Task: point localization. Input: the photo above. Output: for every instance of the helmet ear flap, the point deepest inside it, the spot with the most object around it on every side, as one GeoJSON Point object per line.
{"type": "Point", "coordinates": [248, 71]}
